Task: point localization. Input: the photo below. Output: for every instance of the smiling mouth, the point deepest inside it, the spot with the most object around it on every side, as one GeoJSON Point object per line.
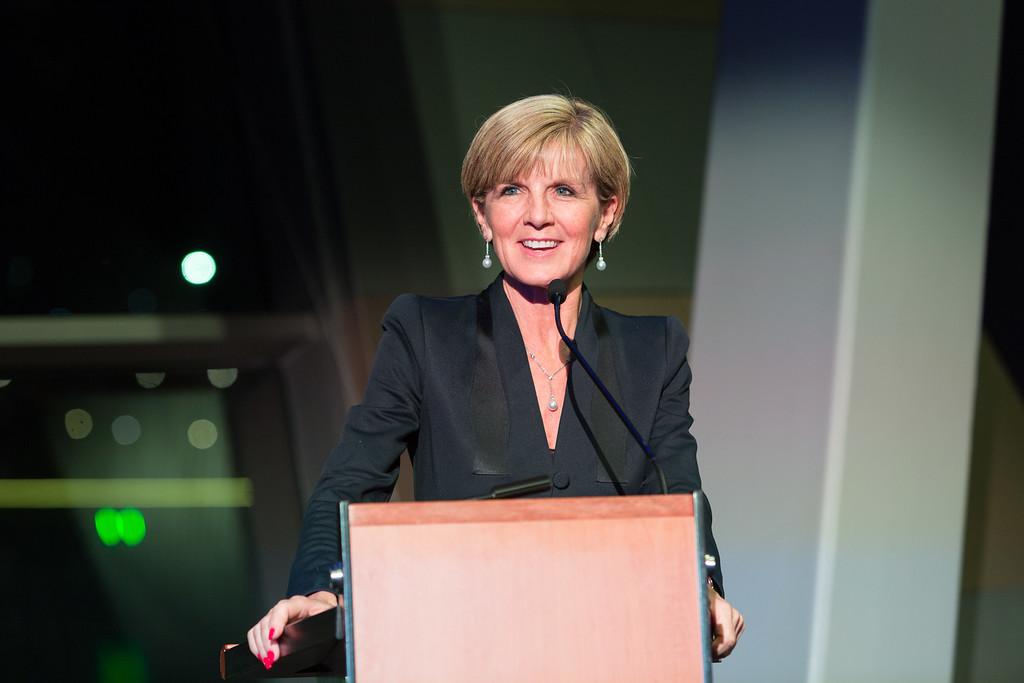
{"type": "Point", "coordinates": [539, 244]}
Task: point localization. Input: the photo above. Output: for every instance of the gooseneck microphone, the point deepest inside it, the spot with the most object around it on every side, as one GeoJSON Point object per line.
{"type": "Point", "coordinates": [557, 291]}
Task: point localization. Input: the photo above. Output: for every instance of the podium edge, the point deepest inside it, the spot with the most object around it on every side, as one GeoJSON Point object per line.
{"type": "Point", "coordinates": [702, 585]}
{"type": "Point", "coordinates": [346, 562]}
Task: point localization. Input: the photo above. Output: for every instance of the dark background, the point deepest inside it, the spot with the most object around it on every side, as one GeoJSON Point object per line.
{"type": "Point", "coordinates": [313, 149]}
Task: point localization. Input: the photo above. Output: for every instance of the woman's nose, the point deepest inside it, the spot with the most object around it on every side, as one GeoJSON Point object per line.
{"type": "Point", "coordinates": [538, 213]}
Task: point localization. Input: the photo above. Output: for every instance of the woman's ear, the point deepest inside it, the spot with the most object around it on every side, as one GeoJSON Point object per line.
{"type": "Point", "coordinates": [608, 209]}
{"type": "Point", "coordinates": [481, 219]}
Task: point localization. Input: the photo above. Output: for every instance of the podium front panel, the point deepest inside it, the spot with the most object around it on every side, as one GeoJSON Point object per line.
{"type": "Point", "coordinates": [585, 589]}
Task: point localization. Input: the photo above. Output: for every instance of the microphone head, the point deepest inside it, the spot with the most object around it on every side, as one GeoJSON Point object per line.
{"type": "Point", "coordinates": [557, 290]}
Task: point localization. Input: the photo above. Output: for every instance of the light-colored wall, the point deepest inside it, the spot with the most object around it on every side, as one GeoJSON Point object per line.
{"type": "Point", "coordinates": [836, 328]}
{"type": "Point", "coordinates": [901, 417]}
{"type": "Point", "coordinates": [765, 310]}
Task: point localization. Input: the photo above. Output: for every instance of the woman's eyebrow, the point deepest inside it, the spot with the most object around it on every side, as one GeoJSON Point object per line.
{"type": "Point", "coordinates": [568, 180]}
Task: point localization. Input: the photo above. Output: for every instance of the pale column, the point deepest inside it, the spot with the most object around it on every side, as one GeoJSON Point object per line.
{"type": "Point", "coordinates": [836, 328]}
{"type": "Point", "coordinates": [899, 442]}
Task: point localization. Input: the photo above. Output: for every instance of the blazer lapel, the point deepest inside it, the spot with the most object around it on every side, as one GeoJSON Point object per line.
{"type": "Point", "coordinates": [596, 424]}
{"type": "Point", "coordinates": [488, 412]}
{"type": "Point", "coordinates": [504, 413]}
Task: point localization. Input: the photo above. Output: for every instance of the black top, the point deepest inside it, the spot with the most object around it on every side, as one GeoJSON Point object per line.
{"type": "Point", "coordinates": [451, 382]}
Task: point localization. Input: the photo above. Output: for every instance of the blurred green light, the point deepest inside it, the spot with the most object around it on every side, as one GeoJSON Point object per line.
{"type": "Point", "coordinates": [198, 268]}
{"type": "Point", "coordinates": [107, 522]}
{"type": "Point", "coordinates": [120, 663]}
{"type": "Point", "coordinates": [132, 526]}
{"type": "Point", "coordinates": [113, 526]}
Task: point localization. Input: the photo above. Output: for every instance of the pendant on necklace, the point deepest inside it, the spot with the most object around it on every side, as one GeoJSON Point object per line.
{"type": "Point", "coordinates": [552, 403]}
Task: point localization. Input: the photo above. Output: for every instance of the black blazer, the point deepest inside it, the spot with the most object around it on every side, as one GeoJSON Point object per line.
{"type": "Point", "coordinates": [451, 383]}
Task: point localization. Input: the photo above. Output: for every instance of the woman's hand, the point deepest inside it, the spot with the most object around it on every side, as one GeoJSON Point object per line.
{"type": "Point", "coordinates": [263, 636]}
{"type": "Point", "coordinates": [726, 625]}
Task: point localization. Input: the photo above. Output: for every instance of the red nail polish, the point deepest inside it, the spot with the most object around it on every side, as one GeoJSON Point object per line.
{"type": "Point", "coordinates": [266, 665]}
{"type": "Point", "coordinates": [270, 657]}
{"type": "Point", "coordinates": [271, 634]}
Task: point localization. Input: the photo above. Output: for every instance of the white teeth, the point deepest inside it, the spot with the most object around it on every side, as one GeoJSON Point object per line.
{"type": "Point", "coordinates": [539, 244]}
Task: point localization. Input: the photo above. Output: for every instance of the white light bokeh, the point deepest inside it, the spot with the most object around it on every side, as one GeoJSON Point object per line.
{"type": "Point", "coordinates": [198, 268]}
{"type": "Point", "coordinates": [222, 378]}
{"type": "Point", "coordinates": [202, 434]}
{"type": "Point", "coordinates": [150, 380]}
{"type": "Point", "coordinates": [126, 430]}
{"type": "Point", "coordinates": [78, 423]}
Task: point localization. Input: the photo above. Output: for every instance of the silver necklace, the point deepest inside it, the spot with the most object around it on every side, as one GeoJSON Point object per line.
{"type": "Point", "coordinates": [552, 401]}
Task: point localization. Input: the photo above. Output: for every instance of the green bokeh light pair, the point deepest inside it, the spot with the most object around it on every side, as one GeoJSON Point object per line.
{"type": "Point", "coordinates": [117, 526]}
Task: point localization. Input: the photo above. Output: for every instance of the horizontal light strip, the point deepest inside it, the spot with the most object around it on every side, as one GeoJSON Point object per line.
{"type": "Point", "coordinates": [140, 493]}
{"type": "Point", "coordinates": [111, 330]}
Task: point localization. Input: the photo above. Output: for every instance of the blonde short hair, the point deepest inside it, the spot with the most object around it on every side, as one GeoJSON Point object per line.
{"type": "Point", "coordinates": [510, 142]}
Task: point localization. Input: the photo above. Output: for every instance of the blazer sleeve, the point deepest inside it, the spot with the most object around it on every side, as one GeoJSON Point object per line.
{"type": "Point", "coordinates": [363, 467]}
{"type": "Point", "coordinates": [671, 441]}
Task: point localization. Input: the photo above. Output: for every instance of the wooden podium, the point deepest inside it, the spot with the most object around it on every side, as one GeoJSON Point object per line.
{"type": "Point", "coordinates": [580, 589]}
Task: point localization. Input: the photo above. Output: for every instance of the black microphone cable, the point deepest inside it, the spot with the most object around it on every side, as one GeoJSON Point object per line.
{"type": "Point", "coordinates": [556, 295]}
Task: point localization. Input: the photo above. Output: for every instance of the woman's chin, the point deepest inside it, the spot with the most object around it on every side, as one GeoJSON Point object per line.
{"type": "Point", "coordinates": [541, 277]}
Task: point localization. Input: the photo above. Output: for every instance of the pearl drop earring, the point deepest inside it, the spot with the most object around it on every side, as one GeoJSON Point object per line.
{"type": "Point", "coordinates": [487, 262]}
{"type": "Point", "coordinates": [601, 263]}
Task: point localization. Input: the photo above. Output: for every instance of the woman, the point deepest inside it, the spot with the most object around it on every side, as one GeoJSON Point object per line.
{"type": "Point", "coordinates": [461, 382]}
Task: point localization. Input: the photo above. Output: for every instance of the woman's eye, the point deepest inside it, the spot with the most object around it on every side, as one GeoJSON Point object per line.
{"type": "Point", "coordinates": [509, 190]}
{"type": "Point", "coordinates": [564, 191]}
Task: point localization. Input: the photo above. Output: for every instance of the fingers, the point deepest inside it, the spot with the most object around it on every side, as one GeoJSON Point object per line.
{"type": "Point", "coordinates": [271, 627]}
{"type": "Point", "coordinates": [727, 624]}
{"type": "Point", "coordinates": [723, 642]}
{"type": "Point", "coordinates": [252, 642]}
{"type": "Point", "coordinates": [264, 635]}
{"type": "Point", "coordinates": [259, 639]}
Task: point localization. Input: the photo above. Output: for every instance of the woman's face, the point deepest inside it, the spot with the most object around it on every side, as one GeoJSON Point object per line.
{"type": "Point", "coordinates": [542, 224]}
